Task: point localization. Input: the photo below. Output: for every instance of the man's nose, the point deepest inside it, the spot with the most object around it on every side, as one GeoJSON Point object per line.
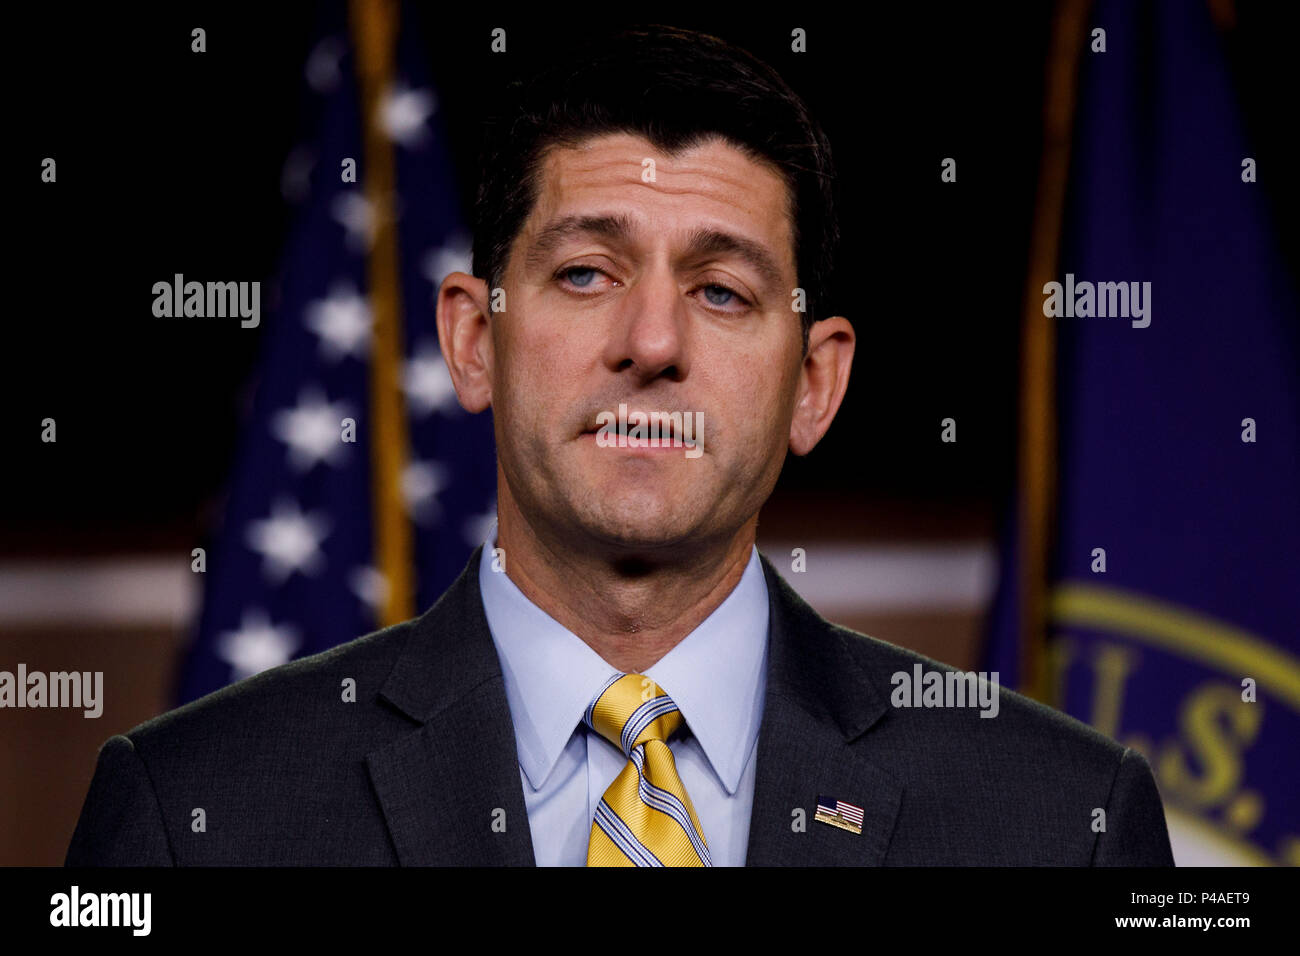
{"type": "Point", "coordinates": [651, 329]}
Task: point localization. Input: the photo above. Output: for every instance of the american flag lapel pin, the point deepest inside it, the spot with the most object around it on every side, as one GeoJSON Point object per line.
{"type": "Point", "coordinates": [839, 814]}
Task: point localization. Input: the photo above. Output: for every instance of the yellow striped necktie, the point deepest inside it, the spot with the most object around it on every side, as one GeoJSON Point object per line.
{"type": "Point", "coordinates": [645, 817]}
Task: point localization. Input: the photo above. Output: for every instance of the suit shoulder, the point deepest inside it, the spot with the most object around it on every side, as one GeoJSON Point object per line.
{"type": "Point", "coordinates": [1018, 720]}
{"type": "Point", "coordinates": [303, 690]}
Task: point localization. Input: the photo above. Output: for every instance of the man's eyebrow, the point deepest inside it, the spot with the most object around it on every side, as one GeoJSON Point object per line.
{"type": "Point", "coordinates": [610, 228]}
{"type": "Point", "coordinates": [703, 242]}
{"type": "Point", "coordinates": [712, 242]}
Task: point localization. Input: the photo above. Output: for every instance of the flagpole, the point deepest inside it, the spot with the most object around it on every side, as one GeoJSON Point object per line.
{"type": "Point", "coordinates": [374, 26]}
{"type": "Point", "coordinates": [1038, 434]}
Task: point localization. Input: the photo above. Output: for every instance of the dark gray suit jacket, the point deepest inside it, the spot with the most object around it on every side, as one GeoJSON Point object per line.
{"type": "Point", "coordinates": [417, 770]}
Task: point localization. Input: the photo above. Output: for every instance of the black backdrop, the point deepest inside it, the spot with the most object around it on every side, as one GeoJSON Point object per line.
{"type": "Point", "coordinates": [170, 161]}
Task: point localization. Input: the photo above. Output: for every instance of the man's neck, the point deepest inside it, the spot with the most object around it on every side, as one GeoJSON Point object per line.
{"type": "Point", "coordinates": [630, 620]}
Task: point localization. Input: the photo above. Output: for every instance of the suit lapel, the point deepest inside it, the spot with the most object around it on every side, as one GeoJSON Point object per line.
{"type": "Point", "coordinates": [450, 787]}
{"type": "Point", "coordinates": [819, 701]}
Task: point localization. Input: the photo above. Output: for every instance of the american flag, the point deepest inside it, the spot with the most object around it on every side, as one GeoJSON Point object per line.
{"type": "Point", "coordinates": [838, 808]}
{"type": "Point", "coordinates": [291, 563]}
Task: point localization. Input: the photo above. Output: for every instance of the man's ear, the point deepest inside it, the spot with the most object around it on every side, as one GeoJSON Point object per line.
{"type": "Point", "coordinates": [465, 337]}
{"type": "Point", "coordinates": [822, 380]}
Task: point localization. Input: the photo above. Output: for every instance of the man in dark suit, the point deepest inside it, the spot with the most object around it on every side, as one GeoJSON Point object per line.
{"type": "Point", "coordinates": [619, 677]}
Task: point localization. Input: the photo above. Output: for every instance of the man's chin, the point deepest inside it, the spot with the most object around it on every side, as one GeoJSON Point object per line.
{"type": "Point", "coordinates": [643, 491]}
{"type": "Point", "coordinates": [638, 530]}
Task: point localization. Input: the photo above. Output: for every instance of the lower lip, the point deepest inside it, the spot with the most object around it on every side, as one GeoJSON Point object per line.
{"type": "Point", "coordinates": [643, 448]}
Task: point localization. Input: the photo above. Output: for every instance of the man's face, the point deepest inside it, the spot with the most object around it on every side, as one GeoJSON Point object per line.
{"type": "Point", "coordinates": [678, 300]}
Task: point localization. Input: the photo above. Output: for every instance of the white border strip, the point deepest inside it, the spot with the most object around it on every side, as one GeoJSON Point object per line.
{"type": "Point", "coordinates": [131, 591]}
{"type": "Point", "coordinates": [841, 578]}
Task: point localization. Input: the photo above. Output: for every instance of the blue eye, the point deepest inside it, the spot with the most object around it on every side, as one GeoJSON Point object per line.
{"type": "Point", "coordinates": [709, 291]}
{"type": "Point", "coordinates": [582, 270]}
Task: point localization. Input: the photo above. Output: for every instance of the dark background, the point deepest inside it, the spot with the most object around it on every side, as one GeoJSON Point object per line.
{"type": "Point", "coordinates": [169, 161]}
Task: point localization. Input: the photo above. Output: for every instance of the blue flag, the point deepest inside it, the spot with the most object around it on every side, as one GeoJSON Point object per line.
{"type": "Point", "coordinates": [1174, 603]}
{"type": "Point", "coordinates": [291, 567]}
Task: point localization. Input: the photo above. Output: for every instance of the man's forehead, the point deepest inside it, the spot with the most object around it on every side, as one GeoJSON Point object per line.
{"type": "Point", "coordinates": [714, 178]}
{"type": "Point", "coordinates": [714, 153]}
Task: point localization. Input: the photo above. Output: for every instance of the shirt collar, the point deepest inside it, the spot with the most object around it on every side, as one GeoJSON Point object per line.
{"type": "Point", "coordinates": [715, 674]}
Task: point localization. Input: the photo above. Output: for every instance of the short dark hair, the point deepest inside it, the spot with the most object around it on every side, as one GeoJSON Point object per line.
{"type": "Point", "coordinates": [676, 88]}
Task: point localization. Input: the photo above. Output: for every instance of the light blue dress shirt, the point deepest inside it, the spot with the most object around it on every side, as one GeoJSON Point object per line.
{"type": "Point", "coordinates": [716, 675]}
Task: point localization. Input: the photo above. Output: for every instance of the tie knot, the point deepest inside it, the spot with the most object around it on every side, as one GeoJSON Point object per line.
{"type": "Point", "coordinates": [631, 709]}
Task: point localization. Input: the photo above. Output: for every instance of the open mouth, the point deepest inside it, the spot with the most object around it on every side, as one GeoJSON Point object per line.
{"type": "Point", "coordinates": [638, 429]}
